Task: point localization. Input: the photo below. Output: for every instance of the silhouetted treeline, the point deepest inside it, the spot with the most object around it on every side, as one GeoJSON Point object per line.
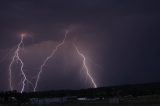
{"type": "Point", "coordinates": [114, 91]}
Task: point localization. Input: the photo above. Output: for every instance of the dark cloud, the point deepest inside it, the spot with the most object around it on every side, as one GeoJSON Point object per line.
{"type": "Point", "coordinates": [122, 37]}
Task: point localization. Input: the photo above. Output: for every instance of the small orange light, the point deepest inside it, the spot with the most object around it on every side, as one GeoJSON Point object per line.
{"type": "Point", "coordinates": [23, 35]}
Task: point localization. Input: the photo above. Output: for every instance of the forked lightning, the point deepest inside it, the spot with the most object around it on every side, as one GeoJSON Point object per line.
{"type": "Point", "coordinates": [16, 57]}
{"type": "Point", "coordinates": [85, 67]}
{"type": "Point", "coordinates": [47, 59]}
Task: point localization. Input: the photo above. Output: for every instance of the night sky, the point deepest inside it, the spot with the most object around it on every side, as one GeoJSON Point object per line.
{"type": "Point", "coordinates": [120, 39]}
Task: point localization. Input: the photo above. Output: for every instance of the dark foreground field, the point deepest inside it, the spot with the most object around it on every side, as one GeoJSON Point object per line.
{"type": "Point", "coordinates": [128, 95]}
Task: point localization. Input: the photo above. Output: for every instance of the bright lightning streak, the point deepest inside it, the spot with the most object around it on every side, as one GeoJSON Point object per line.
{"type": "Point", "coordinates": [16, 57]}
{"type": "Point", "coordinates": [85, 67]}
{"type": "Point", "coordinates": [47, 59]}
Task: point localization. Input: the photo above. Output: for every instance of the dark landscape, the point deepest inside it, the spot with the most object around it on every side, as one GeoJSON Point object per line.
{"type": "Point", "coordinates": [127, 95]}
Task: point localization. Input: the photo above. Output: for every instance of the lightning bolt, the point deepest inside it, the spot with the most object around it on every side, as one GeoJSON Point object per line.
{"type": "Point", "coordinates": [85, 67]}
{"type": "Point", "coordinates": [18, 59]}
{"type": "Point", "coordinates": [47, 59]}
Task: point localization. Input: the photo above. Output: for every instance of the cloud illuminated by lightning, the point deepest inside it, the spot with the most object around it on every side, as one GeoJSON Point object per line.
{"type": "Point", "coordinates": [85, 67]}
{"type": "Point", "coordinates": [47, 59]}
{"type": "Point", "coordinates": [18, 59]}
